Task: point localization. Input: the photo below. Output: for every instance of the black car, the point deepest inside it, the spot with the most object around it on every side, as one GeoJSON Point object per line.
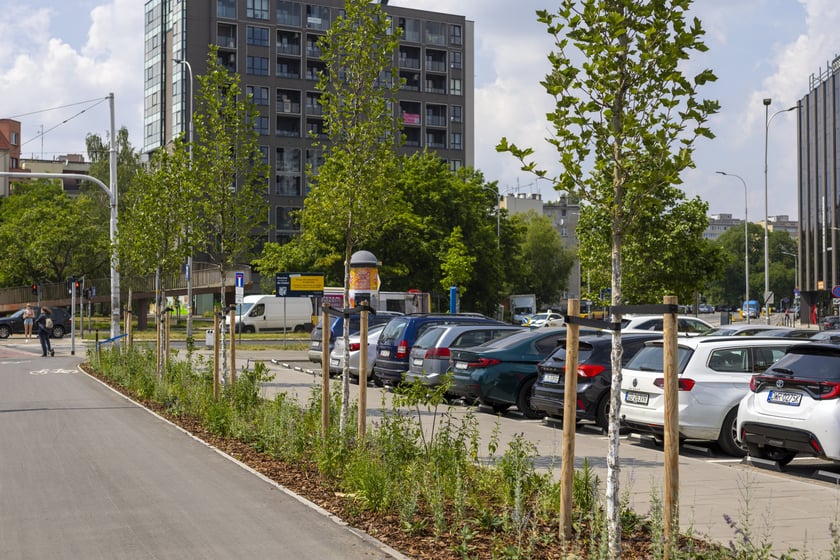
{"type": "Point", "coordinates": [13, 324]}
{"type": "Point", "coordinates": [831, 323]}
{"type": "Point", "coordinates": [594, 376]}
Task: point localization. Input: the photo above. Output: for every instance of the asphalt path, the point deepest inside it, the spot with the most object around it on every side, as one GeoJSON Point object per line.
{"type": "Point", "coordinates": [86, 473]}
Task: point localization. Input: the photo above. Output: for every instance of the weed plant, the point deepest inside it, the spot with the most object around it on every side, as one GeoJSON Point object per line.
{"type": "Point", "coordinates": [432, 480]}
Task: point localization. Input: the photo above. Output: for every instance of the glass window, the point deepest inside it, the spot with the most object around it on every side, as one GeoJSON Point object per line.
{"type": "Point", "coordinates": [288, 13]}
{"type": "Point", "coordinates": [259, 95]}
{"type": "Point", "coordinates": [730, 359]}
{"type": "Point", "coordinates": [456, 60]}
{"type": "Point", "coordinates": [410, 29]}
{"type": "Point", "coordinates": [455, 86]}
{"type": "Point", "coordinates": [257, 66]}
{"type": "Point", "coordinates": [257, 9]}
{"type": "Point", "coordinates": [261, 125]}
{"type": "Point", "coordinates": [455, 36]}
{"type": "Point", "coordinates": [258, 36]}
{"type": "Point", "coordinates": [455, 165]}
{"type": "Point", "coordinates": [435, 33]}
{"type": "Point", "coordinates": [456, 142]}
{"type": "Point", "coordinates": [226, 8]}
{"type": "Point", "coordinates": [457, 113]}
{"type": "Point", "coordinates": [285, 217]}
{"type": "Point", "coordinates": [317, 17]}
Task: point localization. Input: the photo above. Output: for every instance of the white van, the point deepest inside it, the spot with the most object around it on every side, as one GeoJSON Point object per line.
{"type": "Point", "coordinates": [259, 313]}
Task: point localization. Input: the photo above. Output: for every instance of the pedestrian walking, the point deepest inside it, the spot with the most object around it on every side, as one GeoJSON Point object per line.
{"type": "Point", "coordinates": [45, 327]}
{"type": "Point", "coordinates": [28, 320]}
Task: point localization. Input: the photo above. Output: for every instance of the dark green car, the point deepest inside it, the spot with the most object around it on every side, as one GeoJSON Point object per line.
{"type": "Point", "coordinates": [501, 374]}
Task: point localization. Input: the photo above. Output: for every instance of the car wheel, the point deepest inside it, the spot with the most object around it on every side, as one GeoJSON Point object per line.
{"type": "Point", "coordinates": [5, 331]}
{"type": "Point", "coordinates": [727, 439]}
{"type": "Point", "coordinates": [770, 453]}
{"type": "Point", "coordinates": [523, 401]}
{"type": "Point", "coordinates": [499, 408]}
{"type": "Point", "coordinates": [250, 329]}
{"type": "Point", "coordinates": [58, 331]}
{"type": "Point", "coordinates": [602, 412]}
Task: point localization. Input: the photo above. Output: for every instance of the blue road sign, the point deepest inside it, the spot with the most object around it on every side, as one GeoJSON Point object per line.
{"type": "Point", "coordinates": [240, 279]}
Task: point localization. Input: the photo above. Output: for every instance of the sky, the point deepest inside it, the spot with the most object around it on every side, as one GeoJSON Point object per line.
{"type": "Point", "coordinates": [62, 59]}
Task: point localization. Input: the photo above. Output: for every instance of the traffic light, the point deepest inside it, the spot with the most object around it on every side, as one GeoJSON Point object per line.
{"type": "Point", "coordinates": [35, 289]}
{"type": "Point", "coordinates": [77, 284]}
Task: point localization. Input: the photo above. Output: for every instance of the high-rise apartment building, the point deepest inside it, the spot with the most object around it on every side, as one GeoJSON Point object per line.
{"type": "Point", "coordinates": [273, 45]}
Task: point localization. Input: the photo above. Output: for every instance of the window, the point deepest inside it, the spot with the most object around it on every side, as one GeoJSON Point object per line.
{"type": "Point", "coordinates": [259, 95]}
{"type": "Point", "coordinates": [731, 359]}
{"type": "Point", "coordinates": [258, 36]}
{"type": "Point", "coordinates": [264, 155]}
{"type": "Point", "coordinates": [455, 143]}
{"type": "Point", "coordinates": [455, 86]}
{"type": "Point", "coordinates": [455, 36]}
{"type": "Point", "coordinates": [257, 9]}
{"type": "Point", "coordinates": [455, 165]}
{"type": "Point", "coordinates": [257, 66]}
{"type": "Point", "coordinates": [435, 33]}
{"type": "Point", "coordinates": [261, 125]}
{"type": "Point", "coordinates": [226, 8]}
{"type": "Point", "coordinates": [288, 160]}
{"type": "Point", "coordinates": [285, 217]}
{"type": "Point", "coordinates": [318, 17]}
{"type": "Point", "coordinates": [13, 138]}
{"type": "Point", "coordinates": [410, 29]}
{"type": "Point", "coordinates": [456, 60]}
{"type": "Point", "coordinates": [456, 113]}
{"type": "Point", "coordinates": [288, 13]}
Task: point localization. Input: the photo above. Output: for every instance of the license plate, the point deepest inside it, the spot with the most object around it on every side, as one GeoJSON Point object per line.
{"type": "Point", "coordinates": [316, 346]}
{"type": "Point", "coordinates": [636, 398]}
{"type": "Point", "coordinates": [461, 365]}
{"type": "Point", "coordinates": [417, 361]}
{"type": "Point", "coordinates": [551, 378]}
{"type": "Point", "coordinates": [784, 397]}
{"type": "Point", "coordinates": [384, 353]}
{"type": "Point", "coordinates": [334, 362]}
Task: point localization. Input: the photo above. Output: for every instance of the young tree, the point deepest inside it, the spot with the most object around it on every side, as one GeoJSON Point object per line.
{"type": "Point", "coordinates": [352, 197]}
{"type": "Point", "coordinates": [546, 262]}
{"type": "Point", "coordinates": [456, 262]}
{"type": "Point", "coordinates": [625, 124]}
{"type": "Point", "coordinates": [227, 165]}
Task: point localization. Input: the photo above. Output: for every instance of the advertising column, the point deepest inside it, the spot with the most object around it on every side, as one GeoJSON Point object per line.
{"type": "Point", "coordinates": [364, 278]}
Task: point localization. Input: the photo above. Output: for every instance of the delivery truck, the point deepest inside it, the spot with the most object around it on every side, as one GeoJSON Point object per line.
{"type": "Point", "coordinates": [264, 312]}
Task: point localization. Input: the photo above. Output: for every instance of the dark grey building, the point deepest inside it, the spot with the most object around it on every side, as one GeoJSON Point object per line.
{"type": "Point", "coordinates": [819, 181]}
{"type": "Point", "coordinates": [272, 44]}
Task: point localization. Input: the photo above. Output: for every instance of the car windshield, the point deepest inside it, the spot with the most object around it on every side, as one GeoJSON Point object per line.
{"type": "Point", "coordinates": [244, 308]}
{"type": "Point", "coordinates": [816, 364]}
{"type": "Point", "coordinates": [720, 331]}
{"type": "Point", "coordinates": [429, 338]}
{"type": "Point", "coordinates": [651, 358]}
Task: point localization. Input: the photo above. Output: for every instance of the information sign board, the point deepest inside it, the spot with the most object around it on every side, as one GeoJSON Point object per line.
{"type": "Point", "coordinates": [299, 284]}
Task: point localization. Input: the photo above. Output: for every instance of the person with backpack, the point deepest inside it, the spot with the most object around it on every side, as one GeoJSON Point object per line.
{"type": "Point", "coordinates": [45, 327]}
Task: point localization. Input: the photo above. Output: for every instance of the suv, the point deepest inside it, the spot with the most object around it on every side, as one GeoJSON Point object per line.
{"type": "Point", "coordinates": [337, 330]}
{"type": "Point", "coordinates": [13, 324]}
{"type": "Point", "coordinates": [594, 376]}
{"type": "Point", "coordinates": [691, 326]}
{"type": "Point", "coordinates": [792, 407]}
{"type": "Point", "coordinates": [399, 336]}
{"type": "Point", "coordinates": [714, 375]}
{"type": "Point", "coordinates": [430, 354]}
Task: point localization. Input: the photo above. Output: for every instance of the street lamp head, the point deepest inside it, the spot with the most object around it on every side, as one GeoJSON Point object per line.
{"type": "Point", "coordinates": [720, 172]}
{"type": "Point", "coordinates": [767, 101]}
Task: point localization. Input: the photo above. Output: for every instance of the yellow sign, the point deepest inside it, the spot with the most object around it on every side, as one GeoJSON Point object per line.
{"type": "Point", "coordinates": [306, 283]}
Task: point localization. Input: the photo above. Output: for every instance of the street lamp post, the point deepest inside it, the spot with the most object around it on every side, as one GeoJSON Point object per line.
{"type": "Point", "coordinates": [767, 119]}
{"type": "Point", "coordinates": [746, 244]}
{"type": "Point", "coordinates": [189, 257]}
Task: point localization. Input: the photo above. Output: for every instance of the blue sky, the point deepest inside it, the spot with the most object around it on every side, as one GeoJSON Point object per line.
{"type": "Point", "coordinates": [61, 53]}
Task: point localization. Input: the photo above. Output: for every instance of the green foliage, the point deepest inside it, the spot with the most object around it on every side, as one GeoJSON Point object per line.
{"type": "Point", "coordinates": [46, 235]}
{"type": "Point", "coordinates": [226, 169]}
{"type": "Point", "coordinates": [546, 263]}
{"type": "Point", "coordinates": [456, 262]}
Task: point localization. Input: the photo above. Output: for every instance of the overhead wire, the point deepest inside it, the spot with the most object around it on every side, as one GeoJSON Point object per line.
{"type": "Point", "coordinates": [94, 103]}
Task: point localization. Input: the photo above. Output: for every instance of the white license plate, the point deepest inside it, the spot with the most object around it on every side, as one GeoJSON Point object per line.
{"type": "Point", "coordinates": [784, 397]}
{"type": "Point", "coordinates": [417, 361]}
{"type": "Point", "coordinates": [316, 346]}
{"type": "Point", "coordinates": [551, 378]}
{"type": "Point", "coordinates": [334, 362]}
{"type": "Point", "coordinates": [461, 365]}
{"type": "Point", "coordinates": [636, 398]}
{"type": "Point", "coordinates": [384, 353]}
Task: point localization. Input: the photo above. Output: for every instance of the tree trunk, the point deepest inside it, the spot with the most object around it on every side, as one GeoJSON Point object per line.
{"type": "Point", "coordinates": [345, 372]}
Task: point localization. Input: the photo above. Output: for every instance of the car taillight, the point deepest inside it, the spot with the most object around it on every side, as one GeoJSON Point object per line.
{"type": "Point", "coordinates": [402, 350]}
{"type": "Point", "coordinates": [683, 384]}
{"type": "Point", "coordinates": [828, 390]}
{"type": "Point", "coordinates": [438, 353]}
{"type": "Point", "coordinates": [484, 362]}
{"type": "Point", "coordinates": [354, 346]}
{"type": "Point", "coordinates": [590, 370]}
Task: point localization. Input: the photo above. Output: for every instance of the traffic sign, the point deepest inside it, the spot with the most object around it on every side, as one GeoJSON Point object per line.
{"type": "Point", "coordinates": [240, 287]}
{"type": "Point", "coordinates": [835, 291]}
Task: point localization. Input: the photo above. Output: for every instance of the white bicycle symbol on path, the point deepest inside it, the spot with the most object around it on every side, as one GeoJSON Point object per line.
{"type": "Point", "coordinates": [51, 371]}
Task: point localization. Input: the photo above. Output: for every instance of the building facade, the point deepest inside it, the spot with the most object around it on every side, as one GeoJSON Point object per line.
{"type": "Point", "coordinates": [819, 181]}
{"type": "Point", "coordinates": [9, 151]}
{"type": "Point", "coordinates": [273, 46]}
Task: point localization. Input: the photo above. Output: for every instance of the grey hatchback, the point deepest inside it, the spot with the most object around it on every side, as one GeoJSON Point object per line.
{"type": "Point", "coordinates": [429, 357]}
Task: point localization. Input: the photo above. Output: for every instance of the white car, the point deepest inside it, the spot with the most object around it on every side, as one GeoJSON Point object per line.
{"type": "Point", "coordinates": [687, 325]}
{"type": "Point", "coordinates": [714, 375]}
{"type": "Point", "coordinates": [545, 319]}
{"type": "Point", "coordinates": [794, 406]}
{"type": "Point", "coordinates": [337, 353]}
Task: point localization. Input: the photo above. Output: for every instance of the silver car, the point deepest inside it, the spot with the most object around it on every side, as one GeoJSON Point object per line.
{"type": "Point", "coordinates": [429, 357]}
{"type": "Point", "coordinates": [337, 353]}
